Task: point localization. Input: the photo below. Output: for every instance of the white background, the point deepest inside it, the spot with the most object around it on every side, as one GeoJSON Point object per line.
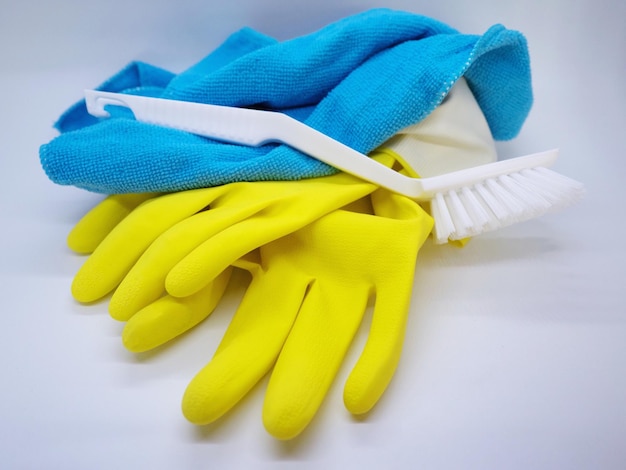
{"type": "Point", "coordinates": [516, 348]}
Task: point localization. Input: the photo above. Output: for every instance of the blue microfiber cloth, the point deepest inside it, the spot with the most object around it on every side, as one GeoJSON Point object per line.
{"type": "Point", "coordinates": [359, 80]}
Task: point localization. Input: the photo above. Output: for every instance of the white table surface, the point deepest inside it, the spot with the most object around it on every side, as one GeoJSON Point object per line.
{"type": "Point", "coordinates": [516, 347]}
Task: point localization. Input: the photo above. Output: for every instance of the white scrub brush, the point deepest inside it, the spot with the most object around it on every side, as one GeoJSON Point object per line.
{"type": "Point", "coordinates": [463, 203]}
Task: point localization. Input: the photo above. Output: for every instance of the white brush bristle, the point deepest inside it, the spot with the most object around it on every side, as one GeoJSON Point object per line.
{"type": "Point", "coordinates": [501, 201]}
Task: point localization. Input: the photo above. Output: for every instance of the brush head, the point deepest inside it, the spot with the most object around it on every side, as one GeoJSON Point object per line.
{"type": "Point", "coordinates": [500, 201]}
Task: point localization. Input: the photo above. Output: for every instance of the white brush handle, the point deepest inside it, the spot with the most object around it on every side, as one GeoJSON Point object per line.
{"type": "Point", "coordinates": [255, 127]}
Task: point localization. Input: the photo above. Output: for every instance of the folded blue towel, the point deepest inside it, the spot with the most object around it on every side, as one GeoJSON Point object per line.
{"type": "Point", "coordinates": [359, 80]}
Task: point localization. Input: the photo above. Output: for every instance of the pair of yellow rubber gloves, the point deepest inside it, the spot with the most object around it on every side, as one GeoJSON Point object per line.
{"type": "Point", "coordinates": [317, 251]}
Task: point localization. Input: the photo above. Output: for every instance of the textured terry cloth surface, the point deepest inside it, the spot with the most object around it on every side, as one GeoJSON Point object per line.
{"type": "Point", "coordinates": [359, 80]}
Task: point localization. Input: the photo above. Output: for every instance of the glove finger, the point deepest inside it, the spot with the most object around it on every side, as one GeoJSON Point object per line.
{"type": "Point", "coordinates": [170, 317]}
{"type": "Point", "coordinates": [94, 226]}
{"type": "Point", "coordinates": [312, 355]}
{"type": "Point", "coordinates": [406, 226]}
{"type": "Point", "coordinates": [145, 282]}
{"type": "Point", "coordinates": [249, 348]}
{"type": "Point", "coordinates": [192, 272]}
{"type": "Point", "coordinates": [378, 361]}
{"type": "Point", "coordinates": [117, 253]}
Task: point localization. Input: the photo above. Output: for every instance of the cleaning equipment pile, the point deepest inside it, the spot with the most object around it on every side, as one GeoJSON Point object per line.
{"type": "Point", "coordinates": [320, 166]}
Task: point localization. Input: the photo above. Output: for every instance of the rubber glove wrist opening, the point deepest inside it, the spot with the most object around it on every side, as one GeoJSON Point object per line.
{"type": "Point", "coordinates": [453, 137]}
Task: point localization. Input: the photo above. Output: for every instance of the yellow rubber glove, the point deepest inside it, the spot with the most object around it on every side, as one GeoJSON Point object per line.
{"type": "Point", "coordinates": [161, 320]}
{"type": "Point", "coordinates": [302, 309]}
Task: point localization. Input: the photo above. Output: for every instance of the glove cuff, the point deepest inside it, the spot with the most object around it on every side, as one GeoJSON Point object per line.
{"type": "Point", "coordinates": [453, 137]}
